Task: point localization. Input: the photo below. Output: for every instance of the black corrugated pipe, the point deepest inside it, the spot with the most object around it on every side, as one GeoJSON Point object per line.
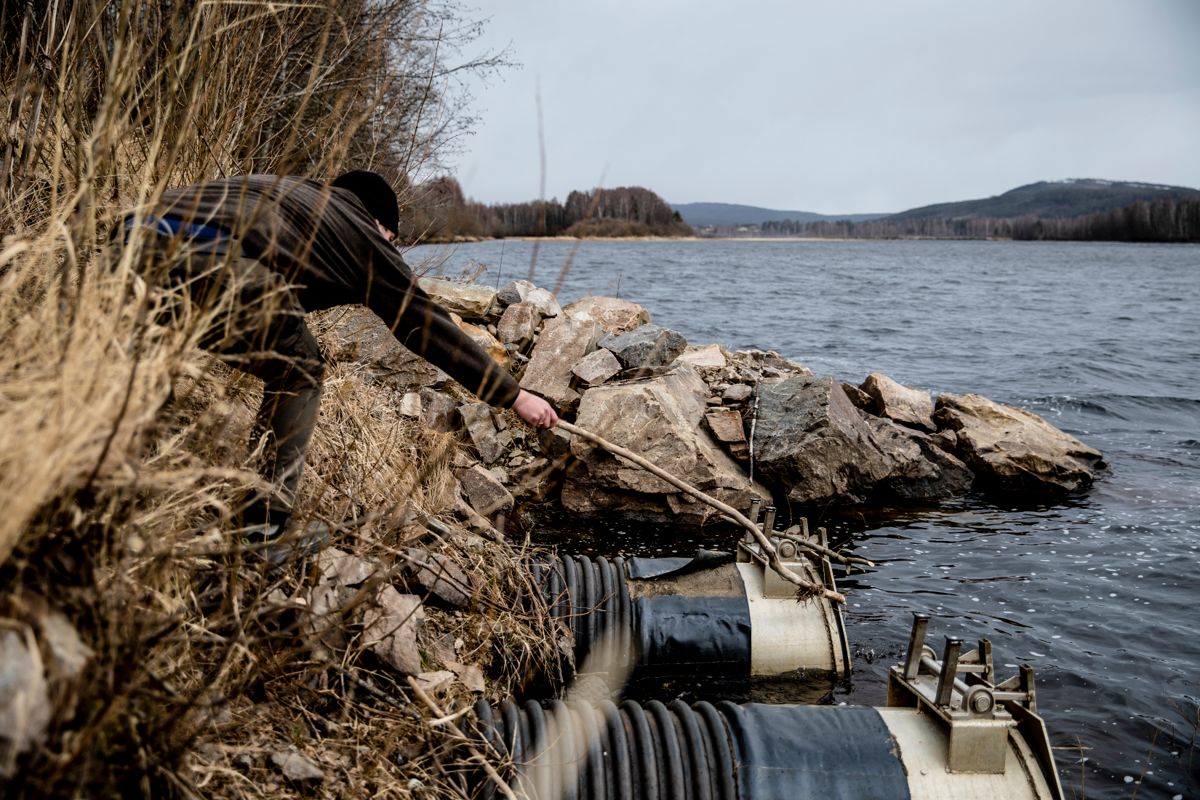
{"type": "Point", "coordinates": [680, 617]}
{"type": "Point", "coordinates": [749, 751]}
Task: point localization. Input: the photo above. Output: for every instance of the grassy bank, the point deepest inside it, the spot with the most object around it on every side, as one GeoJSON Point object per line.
{"type": "Point", "coordinates": [175, 666]}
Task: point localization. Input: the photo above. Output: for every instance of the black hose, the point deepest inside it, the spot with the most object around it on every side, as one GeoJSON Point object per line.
{"type": "Point", "coordinates": [654, 751]}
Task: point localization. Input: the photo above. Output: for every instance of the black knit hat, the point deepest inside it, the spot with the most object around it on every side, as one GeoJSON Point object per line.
{"type": "Point", "coordinates": [375, 193]}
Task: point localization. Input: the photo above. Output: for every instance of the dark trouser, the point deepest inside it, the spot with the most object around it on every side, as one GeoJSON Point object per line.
{"type": "Point", "coordinates": [253, 322]}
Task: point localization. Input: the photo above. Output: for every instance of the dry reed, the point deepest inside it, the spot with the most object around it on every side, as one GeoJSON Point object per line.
{"type": "Point", "coordinates": [124, 448]}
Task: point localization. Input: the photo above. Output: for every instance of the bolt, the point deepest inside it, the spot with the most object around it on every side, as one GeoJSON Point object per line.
{"type": "Point", "coordinates": [787, 550]}
{"type": "Point", "coordinates": [981, 702]}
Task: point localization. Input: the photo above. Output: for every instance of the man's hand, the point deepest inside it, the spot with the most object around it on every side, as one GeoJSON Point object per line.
{"type": "Point", "coordinates": [534, 410]}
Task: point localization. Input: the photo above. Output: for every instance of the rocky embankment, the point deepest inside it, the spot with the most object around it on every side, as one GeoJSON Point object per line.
{"type": "Point", "coordinates": [704, 414]}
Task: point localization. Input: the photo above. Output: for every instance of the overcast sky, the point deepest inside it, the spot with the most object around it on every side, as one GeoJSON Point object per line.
{"type": "Point", "coordinates": [841, 107]}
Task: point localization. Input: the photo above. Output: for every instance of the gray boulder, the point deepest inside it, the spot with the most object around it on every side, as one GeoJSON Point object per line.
{"type": "Point", "coordinates": [1013, 451]}
{"type": "Point", "coordinates": [646, 346]}
{"type": "Point", "coordinates": [518, 324]}
{"type": "Point", "coordinates": [659, 419]}
{"type": "Point", "coordinates": [480, 425]}
{"type": "Point", "coordinates": [614, 315]}
{"type": "Point", "coordinates": [920, 470]}
{"type": "Point", "coordinates": [596, 367]}
{"type": "Point", "coordinates": [563, 343]}
{"type": "Point", "coordinates": [812, 442]}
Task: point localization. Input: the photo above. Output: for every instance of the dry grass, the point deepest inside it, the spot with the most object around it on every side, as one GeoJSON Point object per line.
{"type": "Point", "coordinates": [123, 448]}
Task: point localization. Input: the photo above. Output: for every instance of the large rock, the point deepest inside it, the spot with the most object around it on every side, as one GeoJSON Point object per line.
{"type": "Point", "coordinates": [647, 346]}
{"type": "Point", "coordinates": [614, 315]}
{"type": "Point", "coordinates": [518, 324]}
{"type": "Point", "coordinates": [659, 419]}
{"type": "Point", "coordinates": [356, 334]}
{"type": "Point", "coordinates": [920, 470]}
{"type": "Point", "coordinates": [563, 343]}
{"type": "Point", "coordinates": [1014, 451]}
{"type": "Point", "coordinates": [468, 300]}
{"type": "Point", "coordinates": [812, 442]}
{"type": "Point", "coordinates": [899, 403]}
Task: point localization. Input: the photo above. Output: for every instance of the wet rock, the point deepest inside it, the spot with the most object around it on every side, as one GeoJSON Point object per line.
{"type": "Point", "coordinates": [296, 766]}
{"type": "Point", "coordinates": [24, 698]}
{"type": "Point", "coordinates": [468, 300]}
{"type": "Point", "coordinates": [899, 403]}
{"type": "Point", "coordinates": [1013, 451]}
{"type": "Point", "coordinates": [726, 426]}
{"type": "Point", "coordinates": [481, 429]}
{"type": "Point", "coordinates": [484, 492]}
{"type": "Point", "coordinates": [647, 346]}
{"type": "Point", "coordinates": [596, 367]}
{"type": "Point", "coordinates": [659, 419]}
{"type": "Point", "coordinates": [390, 629]}
{"type": "Point", "coordinates": [919, 470]}
{"type": "Point", "coordinates": [812, 442]}
{"type": "Point", "coordinates": [518, 324]}
{"type": "Point", "coordinates": [614, 315]}
{"type": "Point", "coordinates": [440, 577]}
{"type": "Point", "coordinates": [563, 343]}
{"type": "Point", "coordinates": [438, 411]}
{"type": "Point", "coordinates": [709, 357]}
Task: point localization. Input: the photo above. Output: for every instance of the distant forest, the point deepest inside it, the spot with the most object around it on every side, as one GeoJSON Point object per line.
{"type": "Point", "coordinates": [1168, 220]}
{"type": "Point", "coordinates": [438, 211]}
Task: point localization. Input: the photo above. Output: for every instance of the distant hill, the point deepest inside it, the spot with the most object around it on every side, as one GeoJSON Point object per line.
{"type": "Point", "coordinates": [1051, 200]}
{"type": "Point", "coordinates": [732, 214]}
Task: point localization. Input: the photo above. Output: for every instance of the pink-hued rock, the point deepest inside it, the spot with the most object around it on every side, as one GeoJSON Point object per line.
{"type": "Point", "coordinates": [899, 403]}
{"type": "Point", "coordinates": [1014, 451]}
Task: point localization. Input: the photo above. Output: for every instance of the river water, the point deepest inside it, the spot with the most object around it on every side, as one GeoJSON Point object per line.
{"type": "Point", "coordinates": [1100, 593]}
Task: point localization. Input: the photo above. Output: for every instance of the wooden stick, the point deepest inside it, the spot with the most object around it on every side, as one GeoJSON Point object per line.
{"type": "Point", "coordinates": [764, 543]}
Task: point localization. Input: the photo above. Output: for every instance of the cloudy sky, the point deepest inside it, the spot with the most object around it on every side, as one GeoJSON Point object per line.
{"type": "Point", "coordinates": [858, 106]}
